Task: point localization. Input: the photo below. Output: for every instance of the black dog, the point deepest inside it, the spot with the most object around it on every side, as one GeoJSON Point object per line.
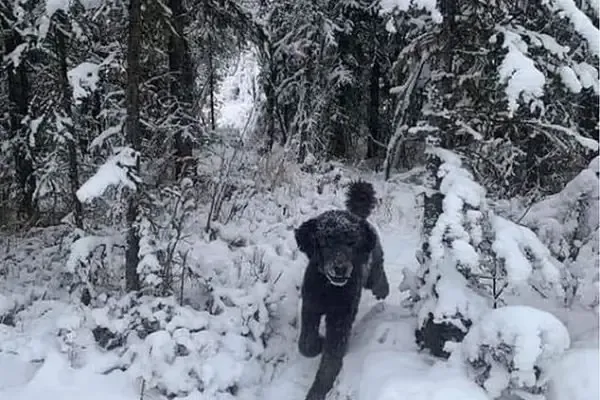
{"type": "Point", "coordinates": [345, 255]}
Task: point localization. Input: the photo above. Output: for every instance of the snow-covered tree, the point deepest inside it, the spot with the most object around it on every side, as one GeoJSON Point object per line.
{"type": "Point", "coordinates": [15, 97]}
{"type": "Point", "coordinates": [323, 64]}
{"type": "Point", "coordinates": [567, 223]}
{"type": "Point", "coordinates": [470, 257]}
{"type": "Point", "coordinates": [513, 81]}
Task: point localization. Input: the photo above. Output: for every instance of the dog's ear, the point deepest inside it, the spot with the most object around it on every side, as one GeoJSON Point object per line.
{"type": "Point", "coordinates": [306, 238]}
{"type": "Point", "coordinates": [369, 238]}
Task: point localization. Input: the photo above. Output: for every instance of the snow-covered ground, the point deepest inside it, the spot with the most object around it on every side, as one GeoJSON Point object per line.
{"type": "Point", "coordinates": [38, 356]}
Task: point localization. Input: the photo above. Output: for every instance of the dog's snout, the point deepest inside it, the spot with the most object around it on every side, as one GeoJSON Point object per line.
{"type": "Point", "coordinates": [339, 270]}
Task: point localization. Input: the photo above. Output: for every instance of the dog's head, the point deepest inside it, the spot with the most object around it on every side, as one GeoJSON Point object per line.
{"type": "Point", "coordinates": [334, 242]}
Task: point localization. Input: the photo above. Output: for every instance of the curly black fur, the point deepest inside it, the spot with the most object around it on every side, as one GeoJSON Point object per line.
{"type": "Point", "coordinates": [345, 256]}
{"type": "Point", "coordinates": [360, 198]}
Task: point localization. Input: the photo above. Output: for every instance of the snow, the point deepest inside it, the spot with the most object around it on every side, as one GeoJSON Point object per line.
{"type": "Point", "coordinates": [556, 207]}
{"type": "Point", "coordinates": [534, 338]}
{"type": "Point", "coordinates": [238, 92]}
{"type": "Point", "coordinates": [56, 379]}
{"type": "Point", "coordinates": [105, 135]}
{"type": "Point", "coordinates": [459, 189]}
{"type": "Point", "coordinates": [458, 184]}
{"type": "Point", "coordinates": [545, 41]}
{"type": "Point", "coordinates": [583, 25]}
{"type": "Point", "coordinates": [117, 170]}
{"type": "Point", "coordinates": [519, 72]}
{"type": "Point", "coordinates": [389, 6]}
{"type": "Point", "coordinates": [383, 362]}
{"type": "Point", "coordinates": [53, 6]}
{"type": "Point", "coordinates": [83, 247]}
{"type": "Point", "coordinates": [512, 243]}
{"type": "Point", "coordinates": [393, 375]}
{"type": "Point", "coordinates": [562, 217]}
{"type": "Point", "coordinates": [575, 376]}
{"type": "Point", "coordinates": [6, 304]}
{"type": "Point", "coordinates": [389, 26]}
{"type": "Point", "coordinates": [588, 76]}
{"type": "Point", "coordinates": [83, 79]}
{"type": "Point", "coordinates": [569, 79]}
{"type": "Point", "coordinates": [16, 55]}
{"type": "Point", "coordinates": [454, 298]}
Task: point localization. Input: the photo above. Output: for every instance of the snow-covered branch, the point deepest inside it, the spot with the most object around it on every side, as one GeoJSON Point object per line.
{"type": "Point", "coordinates": [119, 169]}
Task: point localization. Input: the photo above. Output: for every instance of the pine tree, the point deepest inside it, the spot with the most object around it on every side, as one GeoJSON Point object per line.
{"type": "Point", "coordinates": [132, 128]}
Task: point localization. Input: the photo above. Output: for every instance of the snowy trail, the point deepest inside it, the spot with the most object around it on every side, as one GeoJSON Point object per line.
{"type": "Point", "coordinates": [383, 333]}
{"type": "Point", "coordinates": [385, 330]}
{"type": "Point", "coordinates": [382, 361]}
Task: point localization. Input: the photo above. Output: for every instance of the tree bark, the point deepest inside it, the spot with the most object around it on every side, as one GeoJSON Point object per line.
{"type": "Point", "coordinates": [373, 149]}
{"type": "Point", "coordinates": [182, 84]}
{"type": "Point", "coordinates": [18, 97]}
{"type": "Point", "coordinates": [211, 83]}
{"type": "Point", "coordinates": [65, 89]}
{"type": "Point", "coordinates": [132, 127]}
{"type": "Point", "coordinates": [270, 104]}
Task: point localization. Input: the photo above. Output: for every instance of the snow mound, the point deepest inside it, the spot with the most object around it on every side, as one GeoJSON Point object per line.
{"type": "Point", "coordinates": [393, 375]}
{"type": "Point", "coordinates": [55, 379]}
{"type": "Point", "coordinates": [509, 346]}
{"type": "Point", "coordinates": [576, 376]}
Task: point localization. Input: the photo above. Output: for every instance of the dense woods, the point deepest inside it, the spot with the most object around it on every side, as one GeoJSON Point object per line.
{"type": "Point", "coordinates": [109, 128]}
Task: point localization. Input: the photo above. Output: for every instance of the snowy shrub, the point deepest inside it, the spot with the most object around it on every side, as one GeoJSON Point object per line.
{"type": "Point", "coordinates": [52, 326]}
{"type": "Point", "coordinates": [178, 350]}
{"type": "Point", "coordinates": [567, 222]}
{"type": "Point", "coordinates": [470, 257]}
{"type": "Point", "coordinates": [510, 350]}
{"type": "Point", "coordinates": [161, 222]}
{"type": "Point", "coordinates": [91, 265]}
{"type": "Point", "coordinates": [32, 264]}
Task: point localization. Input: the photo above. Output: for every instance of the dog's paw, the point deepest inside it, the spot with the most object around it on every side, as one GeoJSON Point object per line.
{"type": "Point", "coordinates": [381, 289]}
{"type": "Point", "coordinates": [310, 347]}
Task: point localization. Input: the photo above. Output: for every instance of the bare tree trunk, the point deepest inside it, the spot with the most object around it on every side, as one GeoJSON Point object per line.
{"type": "Point", "coordinates": [373, 149]}
{"type": "Point", "coordinates": [182, 86]}
{"type": "Point", "coordinates": [211, 83]}
{"type": "Point", "coordinates": [18, 97]}
{"type": "Point", "coordinates": [132, 126]}
{"type": "Point", "coordinates": [270, 104]}
{"type": "Point", "coordinates": [65, 89]}
{"type": "Point", "coordinates": [211, 67]}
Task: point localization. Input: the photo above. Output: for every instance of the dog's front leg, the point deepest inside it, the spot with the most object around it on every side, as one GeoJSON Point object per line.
{"type": "Point", "coordinates": [377, 280]}
{"type": "Point", "coordinates": [310, 343]}
{"type": "Point", "coordinates": [335, 346]}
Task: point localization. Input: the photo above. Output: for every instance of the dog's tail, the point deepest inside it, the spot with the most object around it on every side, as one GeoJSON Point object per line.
{"type": "Point", "coordinates": [360, 198]}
